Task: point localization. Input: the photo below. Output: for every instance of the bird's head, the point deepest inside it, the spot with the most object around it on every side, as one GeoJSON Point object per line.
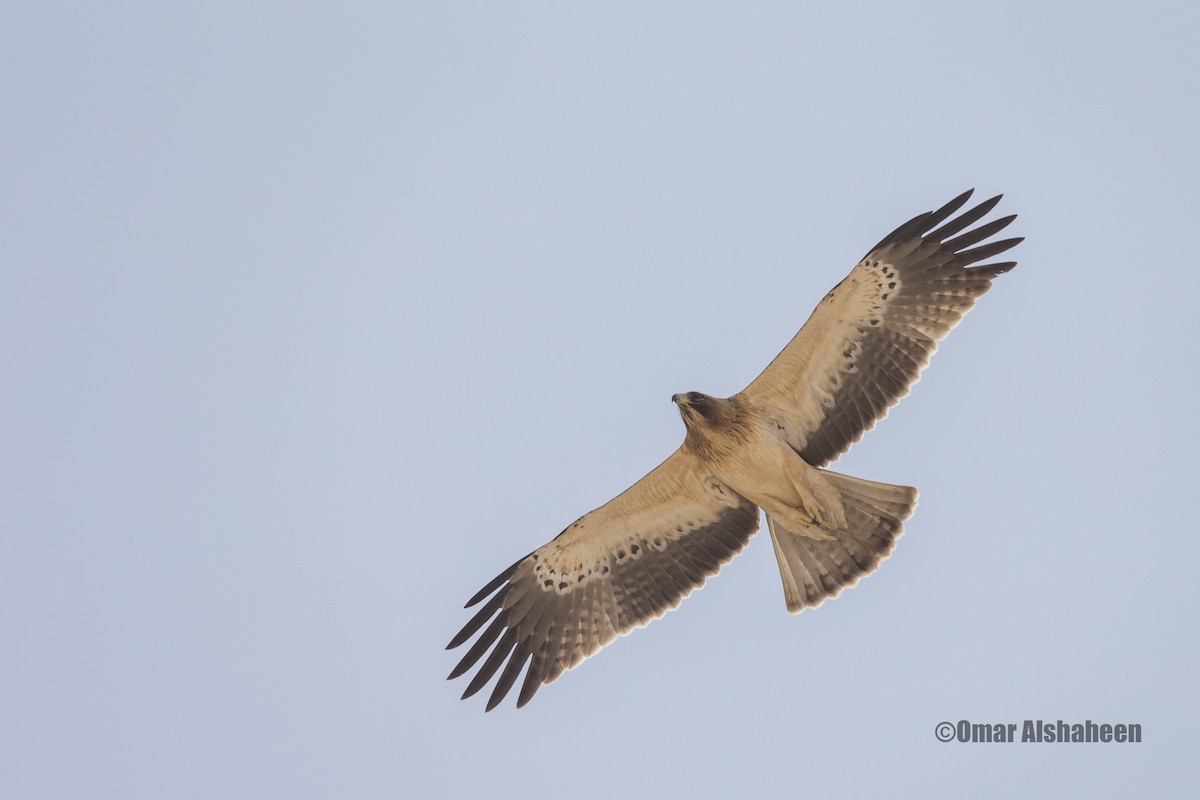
{"type": "Point", "coordinates": [701, 410]}
{"type": "Point", "coordinates": [714, 424]}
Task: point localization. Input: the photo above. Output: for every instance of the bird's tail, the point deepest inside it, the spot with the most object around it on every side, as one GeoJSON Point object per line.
{"type": "Point", "coordinates": [818, 560]}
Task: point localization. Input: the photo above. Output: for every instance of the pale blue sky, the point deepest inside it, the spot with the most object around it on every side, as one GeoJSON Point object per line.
{"type": "Point", "coordinates": [315, 317]}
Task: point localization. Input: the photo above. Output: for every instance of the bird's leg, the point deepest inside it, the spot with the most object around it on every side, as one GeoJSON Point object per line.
{"type": "Point", "coordinates": [818, 497]}
{"type": "Point", "coordinates": [798, 520]}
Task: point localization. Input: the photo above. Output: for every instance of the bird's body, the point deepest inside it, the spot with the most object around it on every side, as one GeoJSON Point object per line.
{"type": "Point", "coordinates": [745, 449]}
{"type": "Point", "coordinates": [757, 463]}
{"type": "Point", "coordinates": [626, 563]}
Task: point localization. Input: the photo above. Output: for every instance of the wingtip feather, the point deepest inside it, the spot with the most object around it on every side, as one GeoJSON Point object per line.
{"type": "Point", "coordinates": [494, 583]}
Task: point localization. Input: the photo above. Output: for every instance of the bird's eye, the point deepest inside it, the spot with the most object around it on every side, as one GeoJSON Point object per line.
{"type": "Point", "coordinates": [694, 397]}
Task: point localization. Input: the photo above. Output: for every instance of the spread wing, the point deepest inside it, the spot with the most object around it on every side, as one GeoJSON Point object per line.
{"type": "Point", "coordinates": [613, 570]}
{"type": "Point", "coordinates": [868, 340]}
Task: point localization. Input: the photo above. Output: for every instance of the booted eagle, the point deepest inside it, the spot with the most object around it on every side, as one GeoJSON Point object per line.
{"type": "Point", "coordinates": [636, 557]}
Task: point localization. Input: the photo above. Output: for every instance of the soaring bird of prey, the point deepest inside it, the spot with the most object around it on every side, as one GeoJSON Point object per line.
{"type": "Point", "coordinates": [638, 556]}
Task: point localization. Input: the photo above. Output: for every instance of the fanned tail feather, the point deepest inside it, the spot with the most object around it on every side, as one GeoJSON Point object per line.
{"type": "Point", "coordinates": [819, 561]}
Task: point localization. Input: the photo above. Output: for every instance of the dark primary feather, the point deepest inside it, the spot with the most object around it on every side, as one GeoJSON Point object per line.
{"type": "Point", "coordinates": [963, 220]}
{"type": "Point", "coordinates": [923, 222]}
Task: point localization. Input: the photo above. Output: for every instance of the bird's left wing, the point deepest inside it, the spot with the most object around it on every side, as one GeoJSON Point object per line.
{"type": "Point", "coordinates": [613, 570]}
{"type": "Point", "coordinates": [868, 340]}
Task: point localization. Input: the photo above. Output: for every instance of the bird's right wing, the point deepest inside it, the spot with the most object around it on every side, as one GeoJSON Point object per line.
{"type": "Point", "coordinates": [613, 570]}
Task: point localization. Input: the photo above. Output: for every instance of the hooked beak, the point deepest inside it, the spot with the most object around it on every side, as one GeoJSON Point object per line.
{"type": "Point", "coordinates": [678, 399]}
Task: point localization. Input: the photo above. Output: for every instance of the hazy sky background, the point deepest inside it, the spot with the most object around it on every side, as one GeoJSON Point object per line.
{"type": "Point", "coordinates": [314, 317]}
